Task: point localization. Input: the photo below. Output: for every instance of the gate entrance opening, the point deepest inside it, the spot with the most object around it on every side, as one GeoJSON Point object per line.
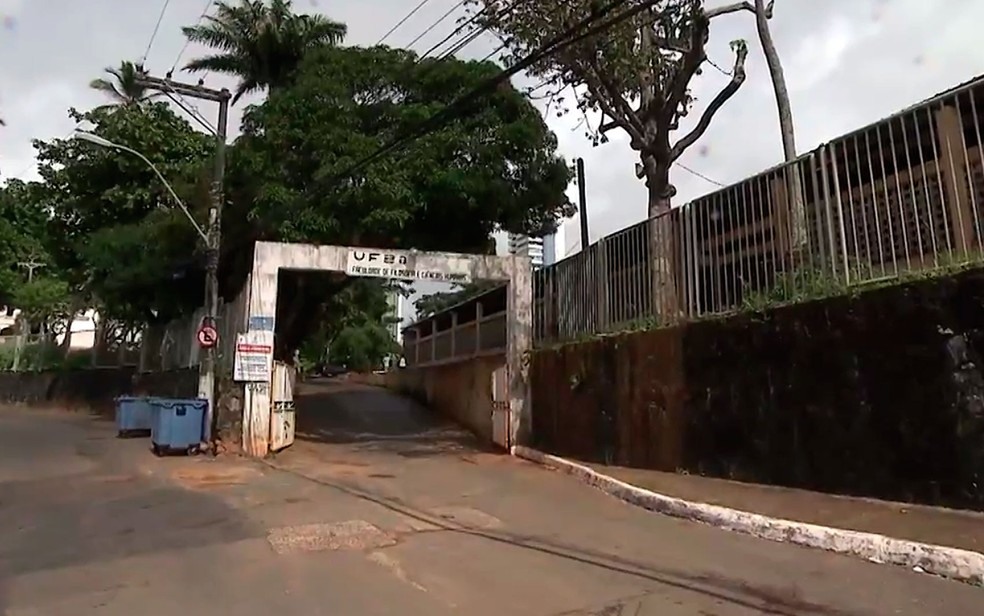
{"type": "Point", "coordinates": [268, 407]}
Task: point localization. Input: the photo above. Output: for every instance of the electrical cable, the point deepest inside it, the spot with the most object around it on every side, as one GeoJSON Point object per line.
{"type": "Point", "coordinates": [454, 32]}
{"type": "Point", "coordinates": [552, 46]}
{"type": "Point", "coordinates": [157, 28]}
{"type": "Point", "coordinates": [208, 5]}
{"type": "Point", "coordinates": [436, 23]}
{"type": "Point", "coordinates": [402, 21]}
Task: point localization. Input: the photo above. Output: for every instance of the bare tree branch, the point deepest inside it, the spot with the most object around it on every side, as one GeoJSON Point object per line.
{"type": "Point", "coordinates": [735, 7]}
{"type": "Point", "coordinates": [737, 78]}
{"type": "Point", "coordinates": [608, 97]}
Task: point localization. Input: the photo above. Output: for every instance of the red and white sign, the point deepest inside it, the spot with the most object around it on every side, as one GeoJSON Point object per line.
{"type": "Point", "coordinates": [207, 337]}
{"type": "Point", "coordinates": [254, 357]}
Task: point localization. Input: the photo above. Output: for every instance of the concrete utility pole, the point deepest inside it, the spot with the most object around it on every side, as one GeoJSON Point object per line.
{"type": "Point", "coordinates": [25, 327]}
{"type": "Point", "coordinates": [207, 370]}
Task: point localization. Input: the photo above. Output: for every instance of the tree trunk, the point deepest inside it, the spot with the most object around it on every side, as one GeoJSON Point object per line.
{"type": "Point", "coordinates": [665, 304]}
{"type": "Point", "coordinates": [794, 184]}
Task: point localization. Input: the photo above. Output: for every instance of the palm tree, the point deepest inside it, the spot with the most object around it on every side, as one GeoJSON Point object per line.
{"type": "Point", "coordinates": [123, 87]}
{"type": "Point", "coordinates": [260, 43]}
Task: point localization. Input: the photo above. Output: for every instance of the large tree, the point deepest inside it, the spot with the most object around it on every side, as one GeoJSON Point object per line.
{"type": "Point", "coordinates": [635, 73]}
{"type": "Point", "coordinates": [112, 240]}
{"type": "Point", "coordinates": [294, 175]}
{"type": "Point", "coordinates": [260, 42]}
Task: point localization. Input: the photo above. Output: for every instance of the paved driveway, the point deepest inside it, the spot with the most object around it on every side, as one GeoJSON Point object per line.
{"type": "Point", "coordinates": [379, 509]}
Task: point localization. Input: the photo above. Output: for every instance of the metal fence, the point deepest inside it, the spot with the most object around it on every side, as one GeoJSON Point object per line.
{"type": "Point", "coordinates": [898, 198]}
{"type": "Point", "coordinates": [175, 345]}
{"type": "Point", "coordinates": [880, 204]}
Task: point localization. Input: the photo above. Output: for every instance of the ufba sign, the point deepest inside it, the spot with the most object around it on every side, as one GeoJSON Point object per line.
{"type": "Point", "coordinates": [406, 266]}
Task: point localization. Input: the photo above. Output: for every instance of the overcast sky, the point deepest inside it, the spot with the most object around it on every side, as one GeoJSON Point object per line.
{"type": "Point", "coordinates": [848, 63]}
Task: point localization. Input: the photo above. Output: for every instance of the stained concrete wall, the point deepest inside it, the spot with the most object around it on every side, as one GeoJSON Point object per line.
{"type": "Point", "coordinates": [460, 391]}
{"type": "Point", "coordinates": [878, 394]}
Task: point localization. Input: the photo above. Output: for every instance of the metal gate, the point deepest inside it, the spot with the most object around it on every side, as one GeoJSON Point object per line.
{"type": "Point", "coordinates": [501, 414]}
{"type": "Point", "coordinates": [282, 400]}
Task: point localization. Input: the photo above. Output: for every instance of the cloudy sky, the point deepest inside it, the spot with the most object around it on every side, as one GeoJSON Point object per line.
{"type": "Point", "coordinates": [848, 63]}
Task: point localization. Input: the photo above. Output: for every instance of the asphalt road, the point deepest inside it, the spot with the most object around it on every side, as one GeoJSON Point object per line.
{"type": "Point", "coordinates": [381, 510]}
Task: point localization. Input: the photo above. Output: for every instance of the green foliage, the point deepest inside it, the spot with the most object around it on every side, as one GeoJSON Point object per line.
{"type": "Point", "coordinates": [352, 327]}
{"type": "Point", "coordinates": [260, 43]}
{"type": "Point", "coordinates": [362, 348]}
{"type": "Point", "coordinates": [111, 239]}
{"type": "Point", "coordinates": [24, 234]}
{"type": "Point", "coordinates": [122, 86]}
{"type": "Point", "coordinates": [43, 300]}
{"type": "Point", "coordinates": [447, 191]}
{"type": "Point", "coordinates": [427, 305]}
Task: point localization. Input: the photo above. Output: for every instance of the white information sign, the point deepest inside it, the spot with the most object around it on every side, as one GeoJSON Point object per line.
{"type": "Point", "coordinates": [406, 265]}
{"type": "Point", "coordinates": [254, 357]}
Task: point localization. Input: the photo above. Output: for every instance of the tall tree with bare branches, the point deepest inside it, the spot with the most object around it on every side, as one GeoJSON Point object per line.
{"type": "Point", "coordinates": [636, 73]}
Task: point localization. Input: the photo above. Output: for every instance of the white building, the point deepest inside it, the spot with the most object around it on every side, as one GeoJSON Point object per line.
{"type": "Point", "coordinates": [394, 300]}
{"type": "Point", "coordinates": [541, 250]}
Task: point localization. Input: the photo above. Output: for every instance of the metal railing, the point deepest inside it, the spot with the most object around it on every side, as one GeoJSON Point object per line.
{"type": "Point", "coordinates": [451, 336]}
{"type": "Point", "coordinates": [898, 198]}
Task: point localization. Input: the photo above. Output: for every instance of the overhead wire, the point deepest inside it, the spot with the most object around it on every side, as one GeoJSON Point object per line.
{"type": "Point", "coordinates": [208, 6]}
{"type": "Point", "coordinates": [157, 27]}
{"type": "Point", "coordinates": [402, 21]}
{"type": "Point", "coordinates": [436, 23]}
{"type": "Point", "coordinates": [552, 46]}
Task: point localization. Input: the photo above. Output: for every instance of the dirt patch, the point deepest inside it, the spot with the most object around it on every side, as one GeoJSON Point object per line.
{"type": "Point", "coordinates": [202, 477]}
{"type": "Point", "coordinates": [349, 535]}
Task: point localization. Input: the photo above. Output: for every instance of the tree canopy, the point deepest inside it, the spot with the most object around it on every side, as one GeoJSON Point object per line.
{"type": "Point", "coordinates": [111, 238]}
{"type": "Point", "coordinates": [261, 44]}
{"type": "Point", "coordinates": [118, 230]}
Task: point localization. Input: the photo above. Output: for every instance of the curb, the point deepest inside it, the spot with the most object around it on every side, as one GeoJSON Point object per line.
{"type": "Point", "coordinates": [953, 563]}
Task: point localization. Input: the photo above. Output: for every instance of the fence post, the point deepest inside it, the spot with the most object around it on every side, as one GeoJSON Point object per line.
{"type": "Point", "coordinates": [602, 276]}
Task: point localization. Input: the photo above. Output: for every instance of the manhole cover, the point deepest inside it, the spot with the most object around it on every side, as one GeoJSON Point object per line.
{"type": "Point", "coordinates": [350, 535]}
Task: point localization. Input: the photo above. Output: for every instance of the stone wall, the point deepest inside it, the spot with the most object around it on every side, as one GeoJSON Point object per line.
{"type": "Point", "coordinates": [878, 394]}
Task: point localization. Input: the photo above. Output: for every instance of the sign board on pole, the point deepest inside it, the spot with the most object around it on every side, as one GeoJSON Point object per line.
{"type": "Point", "coordinates": [207, 337]}
{"type": "Point", "coordinates": [406, 265]}
{"type": "Point", "coordinates": [254, 357]}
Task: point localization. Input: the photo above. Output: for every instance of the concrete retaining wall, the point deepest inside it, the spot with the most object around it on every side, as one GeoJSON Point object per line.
{"type": "Point", "coordinates": [460, 391]}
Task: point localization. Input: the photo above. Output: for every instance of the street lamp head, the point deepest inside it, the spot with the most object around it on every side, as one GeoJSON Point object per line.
{"type": "Point", "coordinates": [94, 139]}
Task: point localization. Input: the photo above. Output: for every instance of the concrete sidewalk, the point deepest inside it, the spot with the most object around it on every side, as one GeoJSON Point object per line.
{"type": "Point", "coordinates": [933, 525]}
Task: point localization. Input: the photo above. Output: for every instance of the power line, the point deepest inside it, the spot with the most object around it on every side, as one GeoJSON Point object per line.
{"type": "Point", "coordinates": [208, 5]}
{"type": "Point", "coordinates": [436, 23]}
{"type": "Point", "coordinates": [700, 175]}
{"type": "Point", "coordinates": [454, 32]}
{"type": "Point", "coordinates": [552, 46]}
{"type": "Point", "coordinates": [402, 21]}
{"type": "Point", "coordinates": [157, 27]}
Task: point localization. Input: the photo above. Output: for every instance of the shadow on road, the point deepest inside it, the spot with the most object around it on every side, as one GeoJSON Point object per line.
{"type": "Point", "coordinates": [375, 420]}
{"type": "Point", "coordinates": [69, 498]}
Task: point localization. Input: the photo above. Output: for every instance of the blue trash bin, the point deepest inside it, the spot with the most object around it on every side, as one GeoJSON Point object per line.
{"type": "Point", "coordinates": [177, 424]}
{"type": "Point", "coordinates": [133, 416]}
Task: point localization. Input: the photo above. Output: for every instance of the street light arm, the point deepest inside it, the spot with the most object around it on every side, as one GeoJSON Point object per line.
{"type": "Point", "coordinates": [174, 195]}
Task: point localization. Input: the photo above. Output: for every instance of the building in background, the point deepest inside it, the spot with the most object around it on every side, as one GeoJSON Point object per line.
{"type": "Point", "coordinates": [395, 314]}
{"type": "Point", "coordinates": [542, 251]}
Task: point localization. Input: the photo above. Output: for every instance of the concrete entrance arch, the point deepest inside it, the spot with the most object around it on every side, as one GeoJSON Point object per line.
{"type": "Point", "coordinates": [270, 258]}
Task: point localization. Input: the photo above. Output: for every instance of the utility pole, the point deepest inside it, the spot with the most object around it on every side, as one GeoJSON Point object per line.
{"type": "Point", "coordinates": [207, 367]}
{"type": "Point", "coordinates": [25, 327]}
{"type": "Point", "coordinates": [582, 204]}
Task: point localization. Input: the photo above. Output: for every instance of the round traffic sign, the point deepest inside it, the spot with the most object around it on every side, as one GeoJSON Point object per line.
{"type": "Point", "coordinates": [207, 337]}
